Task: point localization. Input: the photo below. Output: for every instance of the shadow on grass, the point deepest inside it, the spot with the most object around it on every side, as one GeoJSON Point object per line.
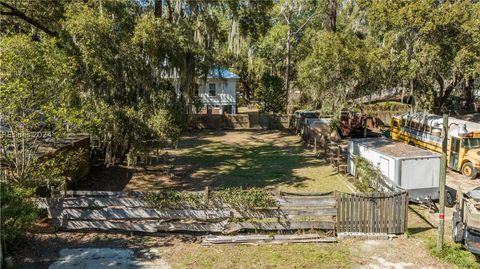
{"type": "Point", "coordinates": [252, 163]}
{"type": "Point", "coordinates": [217, 159]}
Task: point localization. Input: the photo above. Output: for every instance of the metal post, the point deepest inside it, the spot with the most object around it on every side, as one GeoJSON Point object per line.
{"type": "Point", "coordinates": [443, 179]}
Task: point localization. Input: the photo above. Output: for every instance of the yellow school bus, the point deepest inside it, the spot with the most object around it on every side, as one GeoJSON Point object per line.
{"type": "Point", "coordinates": [424, 130]}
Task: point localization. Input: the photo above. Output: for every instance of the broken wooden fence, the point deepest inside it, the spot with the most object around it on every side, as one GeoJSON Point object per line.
{"type": "Point", "coordinates": [129, 211]}
{"type": "Point", "coordinates": [372, 212]}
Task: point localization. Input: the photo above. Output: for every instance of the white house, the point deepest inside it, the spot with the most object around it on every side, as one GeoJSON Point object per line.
{"type": "Point", "coordinates": [218, 94]}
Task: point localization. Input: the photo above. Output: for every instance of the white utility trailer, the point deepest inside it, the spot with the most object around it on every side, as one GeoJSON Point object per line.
{"type": "Point", "coordinates": [403, 167]}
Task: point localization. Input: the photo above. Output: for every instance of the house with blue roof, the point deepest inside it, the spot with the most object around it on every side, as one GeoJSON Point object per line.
{"type": "Point", "coordinates": [218, 95]}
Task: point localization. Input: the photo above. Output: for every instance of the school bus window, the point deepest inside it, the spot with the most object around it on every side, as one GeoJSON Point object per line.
{"type": "Point", "coordinates": [470, 143]}
{"type": "Point", "coordinates": [395, 123]}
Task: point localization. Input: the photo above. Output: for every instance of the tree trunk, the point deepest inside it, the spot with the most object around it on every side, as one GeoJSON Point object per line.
{"type": "Point", "coordinates": [287, 68]}
{"type": "Point", "coordinates": [158, 8]}
{"type": "Point", "coordinates": [247, 90]}
{"type": "Point", "coordinates": [332, 15]}
{"type": "Point", "coordinates": [468, 93]}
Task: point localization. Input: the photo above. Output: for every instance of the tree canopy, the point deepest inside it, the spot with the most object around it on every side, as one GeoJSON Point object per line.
{"type": "Point", "coordinates": [126, 71]}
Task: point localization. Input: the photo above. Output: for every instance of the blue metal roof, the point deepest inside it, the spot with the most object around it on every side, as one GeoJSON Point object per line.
{"type": "Point", "coordinates": [222, 73]}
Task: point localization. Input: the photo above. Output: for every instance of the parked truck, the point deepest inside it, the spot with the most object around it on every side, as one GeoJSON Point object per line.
{"type": "Point", "coordinates": [402, 166]}
{"type": "Point", "coordinates": [466, 221]}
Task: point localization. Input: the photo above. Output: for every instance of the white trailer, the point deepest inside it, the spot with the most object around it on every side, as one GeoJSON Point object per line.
{"type": "Point", "coordinates": [403, 166]}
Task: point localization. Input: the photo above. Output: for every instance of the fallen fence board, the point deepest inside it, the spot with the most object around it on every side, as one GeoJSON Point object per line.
{"type": "Point", "coordinates": [90, 202]}
{"type": "Point", "coordinates": [217, 227]}
{"type": "Point", "coordinates": [106, 225]}
{"type": "Point", "coordinates": [275, 239]}
{"type": "Point", "coordinates": [232, 227]}
{"type": "Point", "coordinates": [278, 226]}
{"type": "Point", "coordinates": [136, 213]}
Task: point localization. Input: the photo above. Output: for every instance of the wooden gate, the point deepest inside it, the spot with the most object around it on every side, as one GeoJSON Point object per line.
{"type": "Point", "coordinates": [372, 212]}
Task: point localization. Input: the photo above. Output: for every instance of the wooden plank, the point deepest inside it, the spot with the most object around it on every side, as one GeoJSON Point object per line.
{"type": "Point", "coordinates": [277, 226]}
{"type": "Point", "coordinates": [231, 227]}
{"type": "Point", "coordinates": [216, 227]}
{"type": "Point", "coordinates": [405, 226]}
{"type": "Point", "coordinates": [391, 215]}
{"type": "Point", "coordinates": [250, 239]}
{"type": "Point", "coordinates": [149, 227]}
{"type": "Point", "coordinates": [106, 193]}
{"type": "Point", "coordinates": [91, 202]}
{"type": "Point", "coordinates": [137, 213]}
{"type": "Point", "coordinates": [382, 213]}
{"type": "Point", "coordinates": [150, 213]}
{"type": "Point", "coordinates": [327, 194]}
{"type": "Point", "coordinates": [306, 202]}
{"type": "Point", "coordinates": [95, 199]}
{"type": "Point", "coordinates": [140, 193]}
{"type": "Point", "coordinates": [340, 212]}
{"type": "Point", "coordinates": [395, 204]}
{"type": "Point", "coordinates": [289, 213]}
{"type": "Point", "coordinates": [371, 212]}
{"type": "Point", "coordinates": [364, 214]}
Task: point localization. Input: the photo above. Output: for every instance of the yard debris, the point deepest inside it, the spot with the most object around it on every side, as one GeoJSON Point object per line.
{"type": "Point", "coordinates": [369, 236]}
{"type": "Point", "coordinates": [270, 239]}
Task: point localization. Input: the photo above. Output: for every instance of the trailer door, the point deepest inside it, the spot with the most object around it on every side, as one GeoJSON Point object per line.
{"type": "Point", "coordinates": [384, 167]}
{"type": "Point", "coordinates": [420, 173]}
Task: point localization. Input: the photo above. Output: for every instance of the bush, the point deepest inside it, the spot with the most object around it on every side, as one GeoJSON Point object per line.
{"type": "Point", "coordinates": [234, 197]}
{"type": "Point", "coordinates": [271, 94]}
{"type": "Point", "coordinates": [18, 212]}
{"type": "Point", "coordinates": [368, 175]}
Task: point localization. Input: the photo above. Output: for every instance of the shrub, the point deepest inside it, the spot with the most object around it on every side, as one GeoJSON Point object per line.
{"type": "Point", "coordinates": [270, 94]}
{"type": "Point", "coordinates": [368, 175]}
{"type": "Point", "coordinates": [234, 197]}
{"type": "Point", "coordinates": [18, 212]}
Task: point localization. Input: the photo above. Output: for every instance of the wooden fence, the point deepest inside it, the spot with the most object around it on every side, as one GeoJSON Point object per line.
{"type": "Point", "coordinates": [130, 211]}
{"type": "Point", "coordinates": [372, 212]}
{"type": "Point", "coordinates": [241, 121]}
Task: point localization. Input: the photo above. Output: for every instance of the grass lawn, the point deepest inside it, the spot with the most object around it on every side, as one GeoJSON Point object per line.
{"type": "Point", "coordinates": [270, 159]}
{"type": "Point", "coordinates": [263, 256]}
{"type": "Point", "coordinates": [422, 227]}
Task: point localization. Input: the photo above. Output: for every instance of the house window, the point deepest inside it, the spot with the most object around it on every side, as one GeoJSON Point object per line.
{"type": "Point", "coordinates": [211, 89]}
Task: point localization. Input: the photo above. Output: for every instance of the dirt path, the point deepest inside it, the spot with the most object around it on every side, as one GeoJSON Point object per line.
{"type": "Point", "coordinates": [399, 253]}
{"type": "Point", "coordinates": [460, 182]}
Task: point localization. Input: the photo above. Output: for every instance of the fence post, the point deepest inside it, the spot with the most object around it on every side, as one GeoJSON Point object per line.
{"type": "Point", "coordinates": [338, 159]}
{"type": "Point", "coordinates": [325, 148]}
{"type": "Point", "coordinates": [206, 194]}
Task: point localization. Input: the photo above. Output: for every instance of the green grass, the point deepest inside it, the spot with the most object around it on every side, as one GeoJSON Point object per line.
{"type": "Point", "coordinates": [273, 163]}
{"type": "Point", "coordinates": [263, 256]}
{"type": "Point", "coordinates": [454, 254]}
{"type": "Point", "coordinates": [421, 226]}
